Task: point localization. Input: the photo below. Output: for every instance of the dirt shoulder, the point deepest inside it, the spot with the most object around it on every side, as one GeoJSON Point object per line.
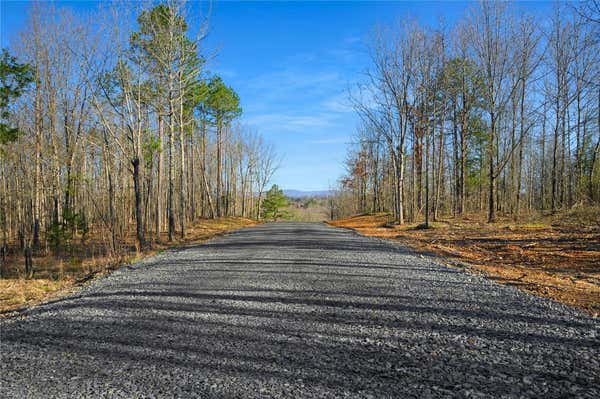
{"type": "Point", "coordinates": [550, 258]}
{"type": "Point", "coordinates": [55, 278]}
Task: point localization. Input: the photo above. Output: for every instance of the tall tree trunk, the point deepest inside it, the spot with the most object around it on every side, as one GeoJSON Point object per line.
{"type": "Point", "coordinates": [543, 162]}
{"type": "Point", "coordinates": [521, 144]}
{"type": "Point", "coordinates": [182, 185]}
{"type": "Point", "coordinates": [595, 155]}
{"type": "Point", "coordinates": [159, 175]}
{"type": "Point", "coordinates": [171, 193]}
{"type": "Point", "coordinates": [138, 204]}
{"type": "Point", "coordinates": [456, 209]}
{"type": "Point", "coordinates": [219, 166]}
{"type": "Point", "coordinates": [111, 196]}
{"type": "Point", "coordinates": [400, 185]}
{"type": "Point", "coordinates": [492, 171]}
{"type": "Point", "coordinates": [38, 164]}
{"type": "Point", "coordinates": [440, 173]}
{"type": "Point", "coordinates": [553, 199]}
{"type": "Point", "coordinates": [427, 162]}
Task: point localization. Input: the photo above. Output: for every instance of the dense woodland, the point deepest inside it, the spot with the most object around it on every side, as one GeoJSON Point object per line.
{"type": "Point", "coordinates": [497, 114]}
{"type": "Point", "coordinates": [125, 135]}
{"type": "Point", "coordinates": [114, 133]}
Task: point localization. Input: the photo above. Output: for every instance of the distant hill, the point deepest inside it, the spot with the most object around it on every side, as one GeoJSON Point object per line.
{"type": "Point", "coordinates": [306, 194]}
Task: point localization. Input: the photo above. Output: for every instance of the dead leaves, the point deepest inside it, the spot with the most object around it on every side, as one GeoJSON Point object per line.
{"type": "Point", "coordinates": [560, 261]}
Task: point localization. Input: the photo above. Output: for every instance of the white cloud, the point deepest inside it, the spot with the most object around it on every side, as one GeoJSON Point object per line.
{"type": "Point", "coordinates": [290, 122]}
{"type": "Point", "coordinates": [288, 80]}
{"type": "Point", "coordinates": [303, 94]}
{"type": "Point", "coordinates": [352, 40]}
{"type": "Point", "coordinates": [226, 73]}
{"type": "Point", "coordinates": [338, 140]}
{"type": "Point", "coordinates": [300, 58]}
{"type": "Point", "coordinates": [345, 55]}
{"type": "Point", "coordinates": [338, 103]}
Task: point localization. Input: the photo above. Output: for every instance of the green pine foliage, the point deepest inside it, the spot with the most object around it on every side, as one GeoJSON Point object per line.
{"type": "Point", "coordinates": [274, 203]}
{"type": "Point", "coordinates": [223, 101]}
{"type": "Point", "coordinates": [14, 78]}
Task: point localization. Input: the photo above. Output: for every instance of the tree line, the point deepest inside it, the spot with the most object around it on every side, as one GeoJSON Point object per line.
{"type": "Point", "coordinates": [497, 114]}
{"type": "Point", "coordinates": [117, 132]}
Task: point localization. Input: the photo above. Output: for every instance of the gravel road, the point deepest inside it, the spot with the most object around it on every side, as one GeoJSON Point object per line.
{"type": "Point", "coordinates": [298, 310]}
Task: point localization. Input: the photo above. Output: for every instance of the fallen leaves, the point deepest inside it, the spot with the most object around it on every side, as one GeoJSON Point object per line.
{"type": "Point", "coordinates": [559, 261]}
{"type": "Point", "coordinates": [16, 293]}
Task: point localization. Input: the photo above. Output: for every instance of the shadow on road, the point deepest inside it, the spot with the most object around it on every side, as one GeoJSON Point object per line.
{"type": "Point", "coordinates": [297, 307]}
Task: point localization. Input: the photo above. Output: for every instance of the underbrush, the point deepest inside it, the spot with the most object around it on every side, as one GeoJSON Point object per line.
{"type": "Point", "coordinates": [54, 274]}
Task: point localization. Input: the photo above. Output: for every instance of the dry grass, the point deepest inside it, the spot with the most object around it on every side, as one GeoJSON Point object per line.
{"type": "Point", "coordinates": [558, 257]}
{"type": "Point", "coordinates": [58, 276]}
{"type": "Point", "coordinates": [16, 293]}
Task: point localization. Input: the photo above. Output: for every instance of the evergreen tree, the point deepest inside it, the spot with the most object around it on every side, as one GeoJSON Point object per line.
{"type": "Point", "coordinates": [273, 203]}
{"type": "Point", "coordinates": [224, 106]}
{"type": "Point", "coordinates": [14, 77]}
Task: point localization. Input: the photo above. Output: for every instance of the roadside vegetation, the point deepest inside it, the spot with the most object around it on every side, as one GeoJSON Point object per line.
{"type": "Point", "coordinates": [497, 114]}
{"type": "Point", "coordinates": [481, 142]}
{"type": "Point", "coordinates": [116, 140]}
{"type": "Point", "coordinates": [57, 275]}
{"type": "Point", "coordinates": [274, 204]}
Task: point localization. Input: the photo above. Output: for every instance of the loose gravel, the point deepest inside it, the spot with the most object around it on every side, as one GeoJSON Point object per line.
{"type": "Point", "coordinates": [298, 310]}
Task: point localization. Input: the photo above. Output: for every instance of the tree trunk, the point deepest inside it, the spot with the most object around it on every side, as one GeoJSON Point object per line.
{"type": "Point", "coordinates": [182, 185]}
{"type": "Point", "coordinates": [171, 194]}
{"type": "Point", "coordinates": [158, 223]}
{"type": "Point", "coordinates": [492, 182]}
{"type": "Point", "coordinates": [219, 165]}
{"type": "Point", "coordinates": [138, 204]}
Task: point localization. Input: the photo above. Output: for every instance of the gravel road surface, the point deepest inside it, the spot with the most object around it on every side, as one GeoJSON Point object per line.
{"type": "Point", "coordinates": [298, 310]}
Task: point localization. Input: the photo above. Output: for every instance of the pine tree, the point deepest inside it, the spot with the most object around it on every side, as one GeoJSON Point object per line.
{"type": "Point", "coordinates": [273, 203]}
{"type": "Point", "coordinates": [224, 106]}
{"type": "Point", "coordinates": [14, 78]}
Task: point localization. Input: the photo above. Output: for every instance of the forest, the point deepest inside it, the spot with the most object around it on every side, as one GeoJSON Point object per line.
{"type": "Point", "coordinates": [117, 142]}
{"type": "Point", "coordinates": [430, 228]}
{"type": "Point", "coordinates": [480, 143]}
{"type": "Point", "coordinates": [113, 138]}
{"type": "Point", "coordinates": [497, 114]}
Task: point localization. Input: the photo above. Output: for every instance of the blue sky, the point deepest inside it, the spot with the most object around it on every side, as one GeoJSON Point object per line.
{"type": "Point", "coordinates": [292, 64]}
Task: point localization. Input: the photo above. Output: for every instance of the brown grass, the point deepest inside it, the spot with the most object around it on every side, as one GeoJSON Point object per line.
{"type": "Point", "coordinates": [558, 258]}
{"type": "Point", "coordinates": [16, 293]}
{"type": "Point", "coordinates": [55, 276]}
